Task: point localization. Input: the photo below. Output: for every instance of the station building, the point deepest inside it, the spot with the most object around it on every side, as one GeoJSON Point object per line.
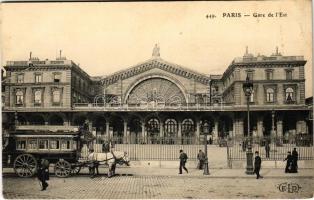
{"type": "Point", "coordinates": [156, 100]}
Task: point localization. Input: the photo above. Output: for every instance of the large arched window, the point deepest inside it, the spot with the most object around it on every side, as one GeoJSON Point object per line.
{"type": "Point", "coordinates": [187, 126]}
{"type": "Point", "coordinates": [270, 95]}
{"type": "Point", "coordinates": [37, 97]}
{"type": "Point", "coordinates": [153, 126]}
{"type": "Point", "coordinates": [289, 94]}
{"type": "Point", "coordinates": [171, 127]}
{"type": "Point", "coordinates": [19, 97]}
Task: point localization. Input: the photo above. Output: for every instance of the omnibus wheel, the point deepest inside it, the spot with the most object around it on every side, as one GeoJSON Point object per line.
{"type": "Point", "coordinates": [25, 165]}
{"type": "Point", "coordinates": [62, 169]}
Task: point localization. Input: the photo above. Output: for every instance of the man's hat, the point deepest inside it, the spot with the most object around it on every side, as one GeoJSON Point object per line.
{"type": "Point", "coordinates": [256, 151]}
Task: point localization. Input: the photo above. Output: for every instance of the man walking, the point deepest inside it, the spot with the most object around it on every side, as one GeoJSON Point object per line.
{"type": "Point", "coordinates": [289, 160]}
{"type": "Point", "coordinates": [295, 156]}
{"type": "Point", "coordinates": [183, 158]}
{"type": "Point", "coordinates": [257, 165]}
{"type": "Point", "coordinates": [43, 173]}
{"type": "Point", "coordinates": [201, 159]}
{"type": "Point", "coordinates": [267, 149]}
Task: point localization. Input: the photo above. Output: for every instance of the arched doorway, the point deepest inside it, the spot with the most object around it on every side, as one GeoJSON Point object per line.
{"type": "Point", "coordinates": [117, 129]}
{"type": "Point", "coordinates": [36, 119]}
{"type": "Point", "coordinates": [171, 130]}
{"type": "Point", "coordinates": [188, 130]}
{"type": "Point", "coordinates": [225, 126]}
{"type": "Point", "coordinates": [153, 130]}
{"type": "Point", "coordinates": [135, 130]}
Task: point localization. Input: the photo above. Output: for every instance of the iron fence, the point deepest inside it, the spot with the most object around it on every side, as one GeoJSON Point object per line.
{"type": "Point", "coordinates": [277, 147]}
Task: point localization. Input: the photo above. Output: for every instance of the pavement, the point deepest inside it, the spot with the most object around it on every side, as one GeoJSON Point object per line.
{"type": "Point", "coordinates": [214, 173]}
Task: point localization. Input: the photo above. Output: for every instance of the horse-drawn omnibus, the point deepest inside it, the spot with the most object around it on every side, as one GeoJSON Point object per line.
{"type": "Point", "coordinates": [63, 149]}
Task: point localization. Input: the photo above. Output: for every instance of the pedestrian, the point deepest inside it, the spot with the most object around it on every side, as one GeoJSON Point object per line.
{"type": "Point", "coordinates": [295, 156]}
{"type": "Point", "coordinates": [183, 158]}
{"type": "Point", "coordinates": [257, 165]}
{"type": "Point", "coordinates": [201, 159]}
{"type": "Point", "coordinates": [92, 163]}
{"type": "Point", "coordinates": [267, 149]}
{"type": "Point", "coordinates": [289, 160]}
{"type": "Point", "coordinates": [43, 173]}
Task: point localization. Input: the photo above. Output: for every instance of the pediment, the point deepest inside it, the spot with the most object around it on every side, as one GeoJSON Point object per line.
{"type": "Point", "coordinates": [156, 63]}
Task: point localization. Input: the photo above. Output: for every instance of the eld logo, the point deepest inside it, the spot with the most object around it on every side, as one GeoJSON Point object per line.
{"type": "Point", "coordinates": [289, 187]}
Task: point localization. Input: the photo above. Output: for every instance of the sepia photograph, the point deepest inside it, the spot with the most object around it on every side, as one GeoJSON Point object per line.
{"type": "Point", "coordinates": [157, 100]}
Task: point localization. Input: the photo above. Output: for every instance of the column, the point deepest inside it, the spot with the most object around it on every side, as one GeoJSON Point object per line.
{"type": "Point", "coordinates": [179, 138]}
{"type": "Point", "coordinates": [161, 129]}
{"type": "Point", "coordinates": [279, 128]}
{"type": "Point", "coordinates": [260, 126]}
{"type": "Point", "coordinates": [215, 136]}
{"type": "Point", "coordinates": [197, 129]}
{"type": "Point", "coordinates": [143, 129]}
{"type": "Point", "coordinates": [125, 135]}
{"type": "Point", "coordinates": [107, 128]}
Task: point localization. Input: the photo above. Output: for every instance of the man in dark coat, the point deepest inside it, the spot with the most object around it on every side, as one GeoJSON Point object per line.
{"type": "Point", "coordinates": [201, 158]}
{"type": "Point", "coordinates": [289, 160]}
{"type": "Point", "coordinates": [257, 165]}
{"type": "Point", "coordinates": [43, 173]}
{"type": "Point", "coordinates": [295, 156]}
{"type": "Point", "coordinates": [183, 158]}
{"type": "Point", "coordinates": [267, 149]}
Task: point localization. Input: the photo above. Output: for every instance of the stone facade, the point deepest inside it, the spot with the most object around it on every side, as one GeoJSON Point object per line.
{"type": "Point", "coordinates": [159, 99]}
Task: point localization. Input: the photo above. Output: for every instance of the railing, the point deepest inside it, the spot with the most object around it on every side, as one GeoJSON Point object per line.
{"type": "Point", "coordinates": [47, 127]}
{"type": "Point", "coordinates": [278, 147]}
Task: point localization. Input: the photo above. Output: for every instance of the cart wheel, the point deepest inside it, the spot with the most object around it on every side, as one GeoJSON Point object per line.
{"type": "Point", "coordinates": [76, 170]}
{"type": "Point", "coordinates": [62, 168]}
{"type": "Point", "coordinates": [25, 165]}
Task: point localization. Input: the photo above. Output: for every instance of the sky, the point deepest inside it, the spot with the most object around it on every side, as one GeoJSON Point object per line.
{"type": "Point", "coordinates": [107, 37]}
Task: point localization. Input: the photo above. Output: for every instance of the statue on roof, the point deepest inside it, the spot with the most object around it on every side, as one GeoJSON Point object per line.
{"type": "Point", "coordinates": [156, 52]}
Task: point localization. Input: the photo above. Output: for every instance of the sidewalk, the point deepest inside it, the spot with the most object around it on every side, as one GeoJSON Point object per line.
{"type": "Point", "coordinates": [214, 173]}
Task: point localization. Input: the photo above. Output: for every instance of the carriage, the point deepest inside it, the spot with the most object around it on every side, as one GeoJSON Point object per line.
{"type": "Point", "coordinates": [63, 149]}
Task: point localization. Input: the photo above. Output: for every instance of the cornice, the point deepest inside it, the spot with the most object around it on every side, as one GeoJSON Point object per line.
{"type": "Point", "coordinates": [156, 63]}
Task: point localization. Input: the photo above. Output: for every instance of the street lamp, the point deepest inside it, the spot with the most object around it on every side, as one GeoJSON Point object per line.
{"type": "Point", "coordinates": [205, 131]}
{"type": "Point", "coordinates": [248, 89]}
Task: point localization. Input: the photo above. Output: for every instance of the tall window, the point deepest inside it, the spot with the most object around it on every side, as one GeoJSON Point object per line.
{"type": "Point", "coordinates": [19, 97]}
{"type": "Point", "coordinates": [153, 126]}
{"type": "Point", "coordinates": [288, 74]}
{"type": "Point", "coordinates": [37, 97]}
{"type": "Point", "coordinates": [56, 77]}
{"type": "Point", "coordinates": [56, 97]}
{"type": "Point", "coordinates": [188, 126]}
{"type": "Point", "coordinates": [38, 78]}
{"type": "Point", "coordinates": [269, 74]}
{"type": "Point", "coordinates": [20, 78]}
{"type": "Point", "coordinates": [171, 126]}
{"type": "Point", "coordinates": [289, 94]}
{"type": "Point", "coordinates": [270, 95]}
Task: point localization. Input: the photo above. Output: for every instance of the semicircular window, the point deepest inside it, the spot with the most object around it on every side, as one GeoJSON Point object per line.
{"type": "Point", "coordinates": [156, 90]}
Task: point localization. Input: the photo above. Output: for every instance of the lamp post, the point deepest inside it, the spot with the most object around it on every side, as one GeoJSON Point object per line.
{"type": "Point", "coordinates": [206, 130]}
{"type": "Point", "coordinates": [248, 89]}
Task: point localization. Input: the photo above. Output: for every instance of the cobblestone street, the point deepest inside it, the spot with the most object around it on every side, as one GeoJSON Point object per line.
{"type": "Point", "coordinates": [138, 187]}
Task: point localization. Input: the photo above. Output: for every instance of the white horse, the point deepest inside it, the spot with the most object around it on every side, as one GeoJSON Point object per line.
{"type": "Point", "coordinates": [111, 159]}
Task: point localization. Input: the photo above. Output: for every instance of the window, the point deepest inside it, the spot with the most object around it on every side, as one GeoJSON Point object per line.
{"type": "Point", "coordinates": [38, 78]}
{"type": "Point", "coordinates": [43, 144]}
{"type": "Point", "coordinates": [65, 144]}
{"type": "Point", "coordinates": [270, 95]}
{"type": "Point", "coordinates": [187, 126]}
{"type": "Point", "coordinates": [37, 97]}
{"type": "Point", "coordinates": [19, 97]}
{"type": "Point", "coordinates": [20, 78]}
{"type": "Point", "coordinates": [269, 75]}
{"type": "Point", "coordinates": [56, 77]}
{"type": "Point", "coordinates": [171, 126]}
{"type": "Point", "coordinates": [250, 75]}
{"type": "Point", "coordinates": [289, 94]}
{"type": "Point", "coordinates": [56, 96]}
{"type": "Point", "coordinates": [288, 74]}
{"type": "Point", "coordinates": [54, 144]}
{"type": "Point", "coordinates": [32, 144]}
{"type": "Point", "coordinates": [21, 144]}
{"type": "Point", "coordinates": [153, 126]}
